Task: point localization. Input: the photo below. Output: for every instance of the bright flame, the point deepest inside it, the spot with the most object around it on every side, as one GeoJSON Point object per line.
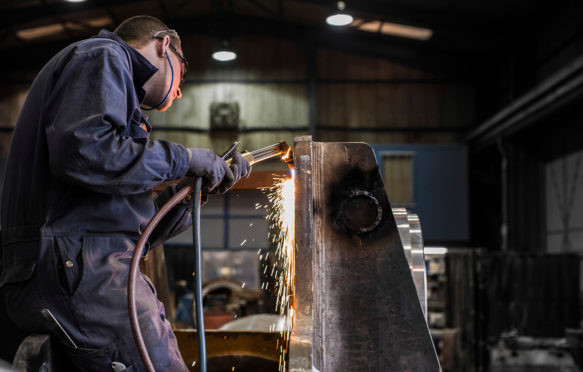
{"type": "Point", "coordinates": [288, 155]}
{"type": "Point", "coordinates": [282, 216]}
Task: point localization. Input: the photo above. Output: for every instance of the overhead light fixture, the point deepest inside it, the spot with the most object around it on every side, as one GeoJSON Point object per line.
{"type": "Point", "coordinates": [224, 53]}
{"type": "Point", "coordinates": [75, 1]}
{"type": "Point", "coordinates": [340, 17]}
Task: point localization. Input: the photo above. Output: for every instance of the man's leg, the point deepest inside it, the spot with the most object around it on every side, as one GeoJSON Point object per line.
{"type": "Point", "coordinates": [83, 281]}
{"type": "Point", "coordinates": [100, 304]}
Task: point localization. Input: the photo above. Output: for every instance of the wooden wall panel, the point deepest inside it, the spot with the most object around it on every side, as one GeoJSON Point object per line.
{"type": "Point", "coordinates": [389, 137]}
{"type": "Point", "coordinates": [257, 58]}
{"type": "Point", "coordinates": [383, 105]}
{"type": "Point", "coordinates": [334, 64]}
{"type": "Point", "coordinates": [261, 105]}
{"type": "Point", "coordinates": [270, 82]}
{"type": "Point", "coordinates": [356, 91]}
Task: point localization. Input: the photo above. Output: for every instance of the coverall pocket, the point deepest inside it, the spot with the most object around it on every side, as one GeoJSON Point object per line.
{"type": "Point", "coordinates": [101, 359]}
{"type": "Point", "coordinates": [69, 256]}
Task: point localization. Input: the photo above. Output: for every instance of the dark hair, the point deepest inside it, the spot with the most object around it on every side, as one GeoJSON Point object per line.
{"type": "Point", "coordinates": [140, 30]}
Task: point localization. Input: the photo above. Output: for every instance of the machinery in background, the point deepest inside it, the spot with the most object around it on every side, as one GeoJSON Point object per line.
{"type": "Point", "coordinates": [224, 300]}
{"type": "Point", "coordinates": [505, 311]}
{"type": "Point", "coordinates": [518, 353]}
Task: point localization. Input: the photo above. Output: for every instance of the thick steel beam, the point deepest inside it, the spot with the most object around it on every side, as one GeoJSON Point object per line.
{"type": "Point", "coordinates": [563, 88]}
{"type": "Point", "coordinates": [353, 284]}
{"type": "Point", "coordinates": [300, 349]}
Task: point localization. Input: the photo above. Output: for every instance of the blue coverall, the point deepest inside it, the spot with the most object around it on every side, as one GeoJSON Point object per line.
{"type": "Point", "coordinates": [77, 195]}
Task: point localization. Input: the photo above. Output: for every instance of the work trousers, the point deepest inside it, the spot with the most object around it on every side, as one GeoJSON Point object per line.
{"type": "Point", "coordinates": [82, 280]}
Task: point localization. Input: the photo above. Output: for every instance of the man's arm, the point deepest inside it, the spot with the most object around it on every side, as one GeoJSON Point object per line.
{"type": "Point", "coordinates": [88, 117]}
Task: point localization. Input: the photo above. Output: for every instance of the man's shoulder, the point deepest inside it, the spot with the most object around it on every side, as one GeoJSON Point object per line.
{"type": "Point", "coordinates": [96, 46]}
{"type": "Point", "coordinates": [85, 53]}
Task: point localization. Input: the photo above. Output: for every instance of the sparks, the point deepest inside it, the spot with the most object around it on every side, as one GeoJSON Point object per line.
{"type": "Point", "coordinates": [281, 215]}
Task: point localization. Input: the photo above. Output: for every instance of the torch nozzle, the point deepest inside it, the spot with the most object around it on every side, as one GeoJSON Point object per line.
{"type": "Point", "coordinates": [280, 149]}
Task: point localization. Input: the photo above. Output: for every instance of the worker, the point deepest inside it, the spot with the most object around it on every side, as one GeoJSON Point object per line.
{"type": "Point", "coordinates": [78, 194]}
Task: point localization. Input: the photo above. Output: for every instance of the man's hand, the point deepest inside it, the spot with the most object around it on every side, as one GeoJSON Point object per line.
{"type": "Point", "coordinates": [212, 168]}
{"type": "Point", "coordinates": [239, 165]}
{"type": "Point", "coordinates": [240, 168]}
{"type": "Point", "coordinates": [217, 175]}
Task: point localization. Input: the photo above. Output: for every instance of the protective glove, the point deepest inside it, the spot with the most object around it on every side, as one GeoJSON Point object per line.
{"type": "Point", "coordinates": [240, 169]}
{"type": "Point", "coordinates": [212, 168]}
{"type": "Point", "coordinates": [176, 220]}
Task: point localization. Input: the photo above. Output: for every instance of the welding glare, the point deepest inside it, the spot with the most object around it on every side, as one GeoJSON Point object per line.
{"type": "Point", "coordinates": [282, 216]}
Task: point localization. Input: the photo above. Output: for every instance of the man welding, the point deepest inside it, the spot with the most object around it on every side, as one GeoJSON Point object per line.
{"type": "Point", "coordinates": [78, 193]}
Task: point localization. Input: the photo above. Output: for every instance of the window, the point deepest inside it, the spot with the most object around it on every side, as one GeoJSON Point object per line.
{"type": "Point", "coordinates": [398, 177]}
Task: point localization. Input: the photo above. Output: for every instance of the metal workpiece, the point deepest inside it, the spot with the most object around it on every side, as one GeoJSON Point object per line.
{"type": "Point", "coordinates": [301, 339]}
{"type": "Point", "coordinates": [418, 270]}
{"type": "Point", "coordinates": [400, 215]}
{"type": "Point", "coordinates": [353, 282]}
{"type": "Point", "coordinates": [411, 237]}
{"type": "Point", "coordinates": [359, 213]}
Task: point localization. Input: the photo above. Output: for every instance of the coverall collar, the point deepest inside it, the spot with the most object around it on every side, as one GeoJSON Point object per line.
{"type": "Point", "coordinates": [142, 69]}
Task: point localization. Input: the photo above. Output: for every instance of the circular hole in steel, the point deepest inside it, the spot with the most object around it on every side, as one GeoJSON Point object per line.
{"type": "Point", "coordinates": [361, 212]}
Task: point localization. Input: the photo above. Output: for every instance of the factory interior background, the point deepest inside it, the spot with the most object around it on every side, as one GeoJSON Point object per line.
{"type": "Point", "coordinates": [474, 111]}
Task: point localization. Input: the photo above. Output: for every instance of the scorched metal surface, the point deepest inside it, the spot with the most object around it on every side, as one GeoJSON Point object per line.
{"type": "Point", "coordinates": [356, 305]}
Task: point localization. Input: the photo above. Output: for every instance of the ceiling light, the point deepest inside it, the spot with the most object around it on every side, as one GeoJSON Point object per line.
{"type": "Point", "coordinates": [75, 1]}
{"type": "Point", "coordinates": [224, 53]}
{"type": "Point", "coordinates": [340, 17]}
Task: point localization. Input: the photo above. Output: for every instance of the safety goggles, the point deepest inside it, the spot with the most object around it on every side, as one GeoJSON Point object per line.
{"type": "Point", "coordinates": [173, 34]}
